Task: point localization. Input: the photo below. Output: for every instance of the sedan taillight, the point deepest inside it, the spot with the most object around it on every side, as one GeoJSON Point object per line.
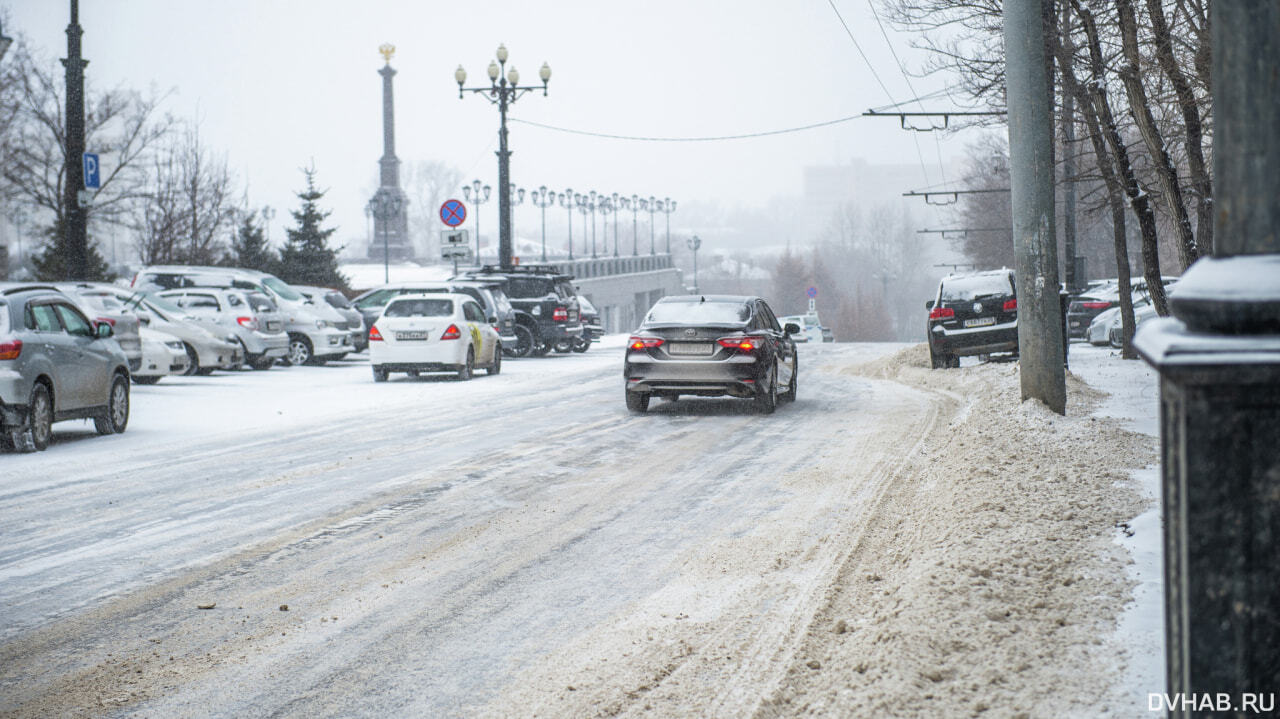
{"type": "Point", "coordinates": [1095, 305]}
{"type": "Point", "coordinates": [941, 313]}
{"type": "Point", "coordinates": [641, 343]}
{"type": "Point", "coordinates": [560, 315]}
{"type": "Point", "coordinates": [248, 322]}
{"type": "Point", "coordinates": [1011, 305]}
{"type": "Point", "coordinates": [746, 344]}
{"type": "Point", "coordinates": [374, 334]}
{"type": "Point", "coordinates": [452, 333]}
{"type": "Point", "coordinates": [9, 350]}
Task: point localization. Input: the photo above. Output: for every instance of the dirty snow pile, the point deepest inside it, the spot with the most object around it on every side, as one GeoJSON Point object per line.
{"type": "Point", "coordinates": [983, 580]}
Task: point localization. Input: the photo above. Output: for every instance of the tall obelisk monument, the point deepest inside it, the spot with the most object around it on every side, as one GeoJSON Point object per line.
{"type": "Point", "coordinates": [389, 205]}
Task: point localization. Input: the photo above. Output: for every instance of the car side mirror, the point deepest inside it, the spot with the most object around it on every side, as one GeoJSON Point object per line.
{"type": "Point", "coordinates": [791, 328]}
{"type": "Point", "coordinates": [928, 305]}
{"type": "Point", "coordinates": [103, 330]}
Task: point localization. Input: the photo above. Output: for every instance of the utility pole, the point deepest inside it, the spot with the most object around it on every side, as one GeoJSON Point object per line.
{"type": "Point", "coordinates": [1029, 73]}
{"type": "Point", "coordinates": [75, 217]}
{"type": "Point", "coordinates": [1069, 174]}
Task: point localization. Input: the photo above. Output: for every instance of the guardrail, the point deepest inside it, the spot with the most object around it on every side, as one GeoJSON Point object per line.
{"type": "Point", "coordinates": [606, 266]}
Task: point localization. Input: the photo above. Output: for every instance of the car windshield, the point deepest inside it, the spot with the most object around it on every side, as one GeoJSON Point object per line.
{"type": "Point", "coordinates": [337, 300]}
{"type": "Point", "coordinates": [159, 305]}
{"type": "Point", "coordinates": [699, 313]}
{"type": "Point", "coordinates": [4, 317]}
{"type": "Point", "coordinates": [975, 287]}
{"type": "Point", "coordinates": [419, 308]}
{"type": "Point", "coordinates": [282, 289]}
{"type": "Point", "coordinates": [377, 298]}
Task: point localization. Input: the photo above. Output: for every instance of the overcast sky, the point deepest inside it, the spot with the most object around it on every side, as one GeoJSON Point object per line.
{"type": "Point", "coordinates": [278, 84]}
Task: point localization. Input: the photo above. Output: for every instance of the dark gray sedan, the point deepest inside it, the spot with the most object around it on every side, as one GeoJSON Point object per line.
{"type": "Point", "coordinates": [711, 346]}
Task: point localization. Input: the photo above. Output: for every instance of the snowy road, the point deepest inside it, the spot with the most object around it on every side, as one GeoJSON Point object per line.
{"type": "Point", "coordinates": [430, 539]}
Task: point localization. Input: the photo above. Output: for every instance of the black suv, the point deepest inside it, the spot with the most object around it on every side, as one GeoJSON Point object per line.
{"type": "Point", "coordinates": [545, 300]}
{"type": "Point", "coordinates": [974, 313]}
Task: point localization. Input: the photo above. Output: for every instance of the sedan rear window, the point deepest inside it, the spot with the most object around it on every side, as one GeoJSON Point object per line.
{"type": "Point", "coordinates": [419, 308]}
{"type": "Point", "coordinates": [699, 313]}
{"type": "Point", "coordinates": [960, 289]}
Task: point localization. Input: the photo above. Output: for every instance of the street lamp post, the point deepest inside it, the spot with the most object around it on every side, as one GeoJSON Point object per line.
{"type": "Point", "coordinates": [386, 206]}
{"type": "Point", "coordinates": [542, 200]}
{"type": "Point", "coordinates": [565, 200]}
{"type": "Point", "coordinates": [606, 209]}
{"type": "Point", "coordinates": [652, 206]}
{"type": "Point", "coordinates": [504, 89]}
{"type": "Point", "coordinates": [617, 204]}
{"type": "Point", "coordinates": [583, 202]}
{"type": "Point", "coordinates": [481, 196]}
{"type": "Point", "coordinates": [515, 198]}
{"type": "Point", "coordinates": [694, 244]}
{"type": "Point", "coordinates": [667, 206]}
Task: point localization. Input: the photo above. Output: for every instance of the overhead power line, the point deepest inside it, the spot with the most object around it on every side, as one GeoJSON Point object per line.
{"type": "Point", "coordinates": [711, 138]}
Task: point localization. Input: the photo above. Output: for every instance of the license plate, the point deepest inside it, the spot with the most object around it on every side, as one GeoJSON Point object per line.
{"type": "Point", "coordinates": [980, 322]}
{"type": "Point", "coordinates": [690, 348]}
{"type": "Point", "coordinates": [403, 336]}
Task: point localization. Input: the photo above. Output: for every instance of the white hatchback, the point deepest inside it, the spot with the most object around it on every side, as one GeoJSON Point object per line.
{"type": "Point", "coordinates": [433, 333]}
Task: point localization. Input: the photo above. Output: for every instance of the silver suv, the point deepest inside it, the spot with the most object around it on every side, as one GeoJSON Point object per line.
{"type": "Point", "coordinates": [251, 316]}
{"type": "Point", "coordinates": [55, 364]}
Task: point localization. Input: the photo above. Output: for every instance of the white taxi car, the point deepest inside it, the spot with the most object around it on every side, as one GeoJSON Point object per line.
{"type": "Point", "coordinates": [433, 333]}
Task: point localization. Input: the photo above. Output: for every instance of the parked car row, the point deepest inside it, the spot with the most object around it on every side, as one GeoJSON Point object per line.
{"type": "Point", "coordinates": [1099, 298]}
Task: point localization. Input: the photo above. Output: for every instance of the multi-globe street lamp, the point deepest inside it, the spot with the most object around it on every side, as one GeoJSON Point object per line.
{"type": "Point", "coordinates": [694, 244]}
{"type": "Point", "coordinates": [477, 194]}
{"type": "Point", "coordinates": [617, 204]}
{"type": "Point", "coordinates": [516, 198]}
{"type": "Point", "coordinates": [386, 206]}
{"type": "Point", "coordinates": [667, 206]}
{"type": "Point", "coordinates": [606, 208]}
{"type": "Point", "coordinates": [542, 199]}
{"type": "Point", "coordinates": [565, 200]}
{"type": "Point", "coordinates": [503, 90]}
{"type": "Point", "coordinates": [652, 206]}
{"type": "Point", "coordinates": [268, 214]}
{"type": "Point", "coordinates": [586, 205]}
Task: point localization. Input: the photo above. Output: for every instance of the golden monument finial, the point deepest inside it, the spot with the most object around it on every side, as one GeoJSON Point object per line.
{"type": "Point", "coordinates": [387, 50]}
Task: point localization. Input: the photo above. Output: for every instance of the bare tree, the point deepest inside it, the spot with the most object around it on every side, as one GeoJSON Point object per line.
{"type": "Point", "coordinates": [188, 205]}
{"type": "Point", "coordinates": [121, 125]}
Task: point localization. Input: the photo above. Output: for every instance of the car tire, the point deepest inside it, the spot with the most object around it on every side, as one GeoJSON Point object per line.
{"type": "Point", "coordinates": [496, 366]}
{"type": "Point", "coordinates": [540, 349]}
{"type": "Point", "coordinates": [581, 345]}
{"type": "Point", "coordinates": [937, 361]}
{"type": "Point", "coordinates": [244, 354]}
{"type": "Point", "coordinates": [767, 400]}
{"type": "Point", "coordinates": [379, 374]}
{"type": "Point", "coordinates": [259, 362]}
{"type": "Point", "coordinates": [115, 418]}
{"type": "Point", "coordinates": [637, 402]}
{"type": "Point", "coordinates": [792, 389]}
{"type": "Point", "coordinates": [146, 379]}
{"type": "Point", "coordinates": [299, 350]}
{"type": "Point", "coordinates": [35, 433]}
{"type": "Point", "coordinates": [953, 362]}
{"type": "Point", "coordinates": [466, 369]}
{"type": "Point", "coordinates": [524, 342]}
{"type": "Point", "coordinates": [193, 365]}
{"type": "Point", "coordinates": [563, 347]}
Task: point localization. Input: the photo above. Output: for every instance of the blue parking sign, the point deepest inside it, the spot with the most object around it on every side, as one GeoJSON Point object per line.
{"type": "Point", "coordinates": [92, 178]}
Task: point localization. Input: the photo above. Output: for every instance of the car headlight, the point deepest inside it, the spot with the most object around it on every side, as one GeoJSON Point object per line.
{"type": "Point", "coordinates": [175, 345]}
{"type": "Point", "coordinates": [321, 324]}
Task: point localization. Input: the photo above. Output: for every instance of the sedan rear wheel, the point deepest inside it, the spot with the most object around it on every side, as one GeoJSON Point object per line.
{"type": "Point", "coordinates": [379, 374]}
{"type": "Point", "coordinates": [637, 402]}
{"type": "Point", "coordinates": [790, 394]}
{"type": "Point", "coordinates": [496, 366]}
{"type": "Point", "coordinates": [116, 417]}
{"type": "Point", "coordinates": [524, 342]}
{"type": "Point", "coordinates": [767, 399]}
{"type": "Point", "coordinates": [581, 344]}
{"type": "Point", "coordinates": [465, 370]}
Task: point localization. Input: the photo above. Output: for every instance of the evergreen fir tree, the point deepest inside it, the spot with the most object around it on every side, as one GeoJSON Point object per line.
{"type": "Point", "coordinates": [51, 265]}
{"type": "Point", "coordinates": [249, 249]}
{"type": "Point", "coordinates": [306, 258]}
